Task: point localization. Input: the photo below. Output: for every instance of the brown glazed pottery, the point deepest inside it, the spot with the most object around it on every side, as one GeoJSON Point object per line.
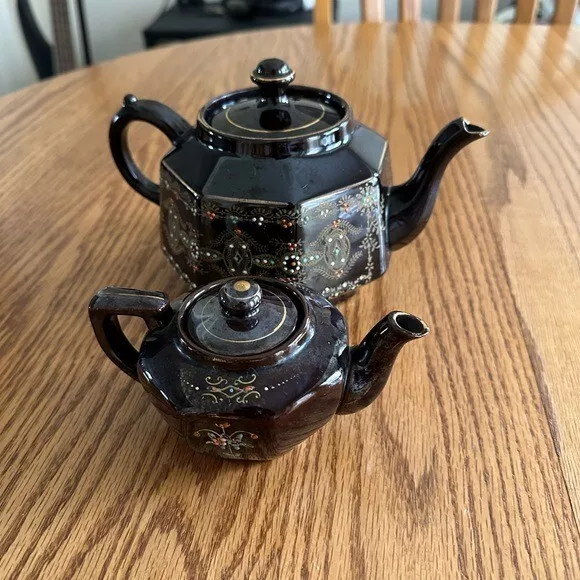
{"type": "Point", "coordinates": [247, 368]}
{"type": "Point", "coordinates": [280, 180]}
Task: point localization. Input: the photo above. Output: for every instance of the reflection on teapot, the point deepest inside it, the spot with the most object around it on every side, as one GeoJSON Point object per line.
{"type": "Point", "coordinates": [280, 181]}
{"type": "Point", "coordinates": [247, 368]}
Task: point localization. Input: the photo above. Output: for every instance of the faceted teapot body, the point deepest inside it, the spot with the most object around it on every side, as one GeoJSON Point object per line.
{"type": "Point", "coordinates": [248, 368]}
{"type": "Point", "coordinates": [281, 181]}
{"type": "Point", "coordinates": [248, 410]}
{"type": "Point", "coordinates": [296, 219]}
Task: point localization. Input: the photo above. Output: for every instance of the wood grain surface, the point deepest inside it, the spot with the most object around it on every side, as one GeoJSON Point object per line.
{"type": "Point", "coordinates": [467, 466]}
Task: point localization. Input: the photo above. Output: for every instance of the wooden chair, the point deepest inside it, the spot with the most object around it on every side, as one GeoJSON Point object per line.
{"type": "Point", "coordinates": [410, 11]}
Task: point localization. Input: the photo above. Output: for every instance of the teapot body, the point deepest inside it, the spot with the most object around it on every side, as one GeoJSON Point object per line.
{"type": "Point", "coordinates": [247, 368]}
{"type": "Point", "coordinates": [296, 219]}
{"type": "Point", "coordinates": [281, 181]}
{"type": "Point", "coordinates": [254, 413]}
{"type": "Point", "coordinates": [232, 408]}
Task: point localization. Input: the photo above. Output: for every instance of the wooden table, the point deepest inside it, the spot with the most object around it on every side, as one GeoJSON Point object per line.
{"type": "Point", "coordinates": [468, 465]}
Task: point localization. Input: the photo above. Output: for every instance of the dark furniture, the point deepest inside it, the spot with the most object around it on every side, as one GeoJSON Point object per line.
{"type": "Point", "coordinates": [43, 54]}
{"type": "Point", "coordinates": [184, 22]}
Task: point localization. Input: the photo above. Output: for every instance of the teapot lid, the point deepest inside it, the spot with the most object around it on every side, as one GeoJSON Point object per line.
{"type": "Point", "coordinates": [244, 318]}
{"type": "Point", "coordinates": [275, 118]}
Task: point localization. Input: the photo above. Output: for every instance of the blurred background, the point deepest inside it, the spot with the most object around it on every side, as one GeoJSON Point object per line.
{"type": "Point", "coordinates": [40, 38]}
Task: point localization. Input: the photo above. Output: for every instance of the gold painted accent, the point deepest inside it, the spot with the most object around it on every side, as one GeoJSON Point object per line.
{"type": "Point", "coordinates": [226, 444]}
{"type": "Point", "coordinates": [222, 388]}
{"type": "Point", "coordinates": [346, 119]}
{"type": "Point", "coordinates": [242, 286]}
{"type": "Point", "coordinates": [335, 194]}
{"type": "Point", "coordinates": [286, 79]}
{"type": "Point", "coordinates": [322, 109]}
{"type": "Point", "coordinates": [284, 314]}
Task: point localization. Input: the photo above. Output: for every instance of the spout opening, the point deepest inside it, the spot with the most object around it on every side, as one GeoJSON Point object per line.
{"type": "Point", "coordinates": [473, 129]}
{"type": "Point", "coordinates": [409, 325]}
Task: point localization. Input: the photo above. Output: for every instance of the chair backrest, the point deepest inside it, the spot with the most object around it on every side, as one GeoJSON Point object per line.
{"type": "Point", "coordinates": [48, 59]}
{"type": "Point", "coordinates": [410, 11]}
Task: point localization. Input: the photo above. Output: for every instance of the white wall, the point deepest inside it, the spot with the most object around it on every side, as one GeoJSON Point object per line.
{"type": "Point", "coordinates": [15, 65]}
{"type": "Point", "coordinates": [116, 25]}
{"type": "Point", "coordinates": [114, 28]}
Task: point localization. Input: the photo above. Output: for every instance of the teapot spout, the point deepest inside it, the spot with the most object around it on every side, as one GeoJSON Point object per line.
{"type": "Point", "coordinates": [372, 360]}
{"type": "Point", "coordinates": [411, 203]}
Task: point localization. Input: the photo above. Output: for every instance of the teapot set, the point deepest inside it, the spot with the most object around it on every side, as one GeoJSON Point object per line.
{"type": "Point", "coordinates": [276, 203]}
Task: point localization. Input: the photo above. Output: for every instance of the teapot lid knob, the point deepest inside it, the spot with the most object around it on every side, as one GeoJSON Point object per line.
{"type": "Point", "coordinates": [244, 317]}
{"type": "Point", "coordinates": [272, 75]}
{"type": "Point", "coordinates": [240, 298]}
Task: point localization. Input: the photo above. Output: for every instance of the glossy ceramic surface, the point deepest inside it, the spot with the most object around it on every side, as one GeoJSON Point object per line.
{"type": "Point", "coordinates": [263, 401]}
{"type": "Point", "coordinates": [244, 318]}
{"type": "Point", "coordinates": [276, 119]}
{"type": "Point", "coordinates": [280, 181]}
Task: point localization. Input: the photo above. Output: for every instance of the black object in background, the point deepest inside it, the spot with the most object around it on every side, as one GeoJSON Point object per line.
{"type": "Point", "coordinates": [188, 19]}
{"type": "Point", "coordinates": [251, 8]}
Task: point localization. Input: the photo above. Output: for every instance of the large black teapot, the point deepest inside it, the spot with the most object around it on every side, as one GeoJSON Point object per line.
{"type": "Point", "coordinates": [280, 180]}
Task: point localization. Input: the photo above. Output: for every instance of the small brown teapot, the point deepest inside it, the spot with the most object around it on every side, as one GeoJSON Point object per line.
{"type": "Point", "coordinates": [247, 368]}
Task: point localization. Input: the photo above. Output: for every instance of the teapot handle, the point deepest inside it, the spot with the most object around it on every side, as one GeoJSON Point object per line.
{"type": "Point", "coordinates": [175, 127]}
{"type": "Point", "coordinates": [105, 307]}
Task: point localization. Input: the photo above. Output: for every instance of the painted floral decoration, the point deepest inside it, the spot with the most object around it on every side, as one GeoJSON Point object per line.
{"type": "Point", "coordinates": [228, 444]}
